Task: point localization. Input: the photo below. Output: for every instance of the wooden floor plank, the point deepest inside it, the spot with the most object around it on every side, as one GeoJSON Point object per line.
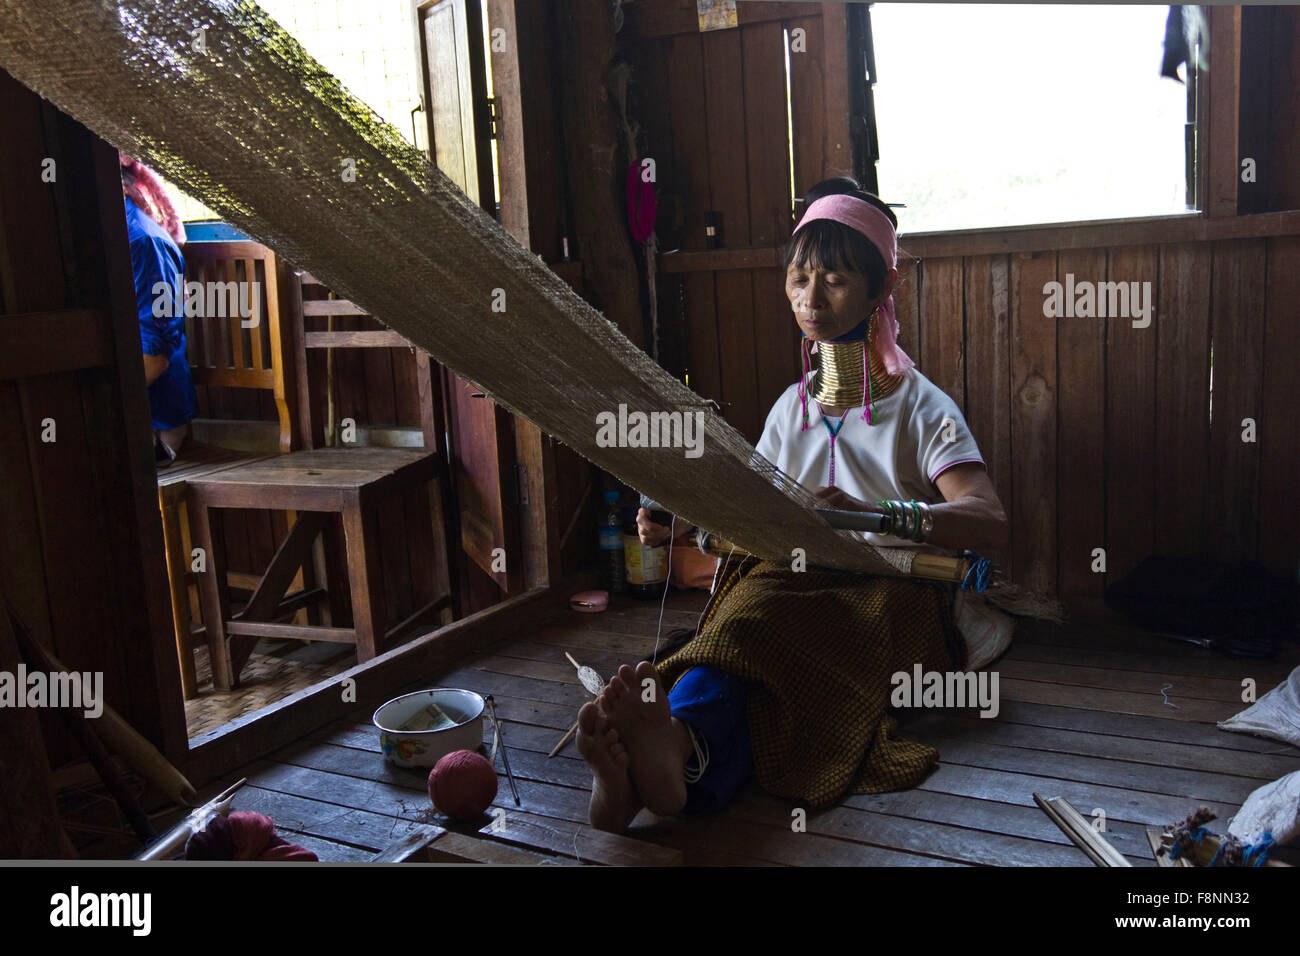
{"type": "Point", "coordinates": [1115, 634]}
{"type": "Point", "coordinates": [357, 828]}
{"type": "Point", "coordinates": [1116, 701]}
{"type": "Point", "coordinates": [777, 844]}
{"type": "Point", "coordinates": [327, 851]}
{"type": "Point", "coordinates": [466, 848]}
{"type": "Point", "coordinates": [1216, 665]}
{"type": "Point", "coordinates": [1158, 753]}
{"type": "Point", "coordinates": [1083, 674]}
{"type": "Point", "coordinates": [1192, 786]}
{"type": "Point", "coordinates": [1131, 806]}
{"type": "Point", "coordinates": [991, 817]}
{"type": "Point", "coordinates": [1139, 727]}
{"type": "Point", "coordinates": [568, 838]}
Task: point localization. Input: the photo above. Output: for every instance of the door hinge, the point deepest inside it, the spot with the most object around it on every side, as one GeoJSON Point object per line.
{"type": "Point", "coordinates": [491, 118]}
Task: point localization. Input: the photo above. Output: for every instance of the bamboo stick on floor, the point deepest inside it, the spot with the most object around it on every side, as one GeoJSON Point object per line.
{"type": "Point", "coordinates": [1080, 832]}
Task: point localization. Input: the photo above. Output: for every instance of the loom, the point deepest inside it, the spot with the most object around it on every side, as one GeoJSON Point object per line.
{"type": "Point", "coordinates": [252, 126]}
{"type": "Point", "coordinates": [922, 564]}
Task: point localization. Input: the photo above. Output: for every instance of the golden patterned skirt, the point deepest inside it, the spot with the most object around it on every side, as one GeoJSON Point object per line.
{"type": "Point", "coordinates": [817, 649]}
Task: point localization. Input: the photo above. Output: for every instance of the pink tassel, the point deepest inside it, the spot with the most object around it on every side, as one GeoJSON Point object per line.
{"type": "Point", "coordinates": [896, 361]}
{"type": "Point", "coordinates": [803, 394]}
{"type": "Point", "coordinates": [866, 387]}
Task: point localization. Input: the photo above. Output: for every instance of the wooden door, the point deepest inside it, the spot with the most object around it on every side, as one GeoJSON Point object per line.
{"type": "Point", "coordinates": [81, 548]}
{"type": "Point", "coordinates": [481, 440]}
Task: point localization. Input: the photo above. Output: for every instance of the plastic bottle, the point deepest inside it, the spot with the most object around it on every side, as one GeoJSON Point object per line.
{"type": "Point", "coordinates": [613, 577]}
{"type": "Point", "coordinates": [647, 567]}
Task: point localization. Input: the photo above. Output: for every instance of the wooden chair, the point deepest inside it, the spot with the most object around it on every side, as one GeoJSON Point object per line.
{"type": "Point", "coordinates": [313, 301]}
{"type": "Point", "coordinates": [222, 352]}
{"type": "Point", "coordinates": [312, 483]}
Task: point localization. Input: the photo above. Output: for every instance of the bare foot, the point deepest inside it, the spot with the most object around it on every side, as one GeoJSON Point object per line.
{"type": "Point", "coordinates": [657, 743]}
{"type": "Point", "coordinates": [614, 800]}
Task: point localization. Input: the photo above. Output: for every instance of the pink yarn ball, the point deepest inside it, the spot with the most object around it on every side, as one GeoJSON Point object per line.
{"type": "Point", "coordinates": [462, 785]}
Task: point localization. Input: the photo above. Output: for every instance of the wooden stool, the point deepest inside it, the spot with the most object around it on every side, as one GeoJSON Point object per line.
{"type": "Point", "coordinates": [346, 481]}
{"type": "Point", "coordinates": [173, 494]}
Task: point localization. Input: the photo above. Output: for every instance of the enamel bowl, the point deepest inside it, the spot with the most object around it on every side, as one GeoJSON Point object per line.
{"type": "Point", "coordinates": [424, 748]}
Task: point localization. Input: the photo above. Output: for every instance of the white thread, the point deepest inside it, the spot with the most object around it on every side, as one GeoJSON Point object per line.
{"type": "Point", "coordinates": [1166, 697]}
{"type": "Point", "coordinates": [701, 749]}
{"type": "Point", "coordinates": [668, 577]}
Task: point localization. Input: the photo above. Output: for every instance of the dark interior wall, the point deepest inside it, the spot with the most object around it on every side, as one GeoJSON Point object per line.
{"type": "Point", "coordinates": [80, 538]}
{"type": "Point", "coordinates": [713, 110]}
{"type": "Point", "coordinates": [1270, 107]}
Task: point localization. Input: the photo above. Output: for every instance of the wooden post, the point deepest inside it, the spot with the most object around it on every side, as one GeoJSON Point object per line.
{"type": "Point", "coordinates": [1221, 152]}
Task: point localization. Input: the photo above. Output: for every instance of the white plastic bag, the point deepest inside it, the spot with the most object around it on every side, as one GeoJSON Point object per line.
{"type": "Point", "coordinates": [1274, 808]}
{"type": "Point", "coordinates": [1275, 715]}
{"type": "Point", "coordinates": [987, 630]}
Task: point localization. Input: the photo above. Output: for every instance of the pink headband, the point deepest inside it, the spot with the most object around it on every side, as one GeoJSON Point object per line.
{"type": "Point", "coordinates": [866, 219]}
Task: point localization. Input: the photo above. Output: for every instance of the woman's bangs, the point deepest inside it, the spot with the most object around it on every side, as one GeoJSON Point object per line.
{"type": "Point", "coordinates": [821, 245]}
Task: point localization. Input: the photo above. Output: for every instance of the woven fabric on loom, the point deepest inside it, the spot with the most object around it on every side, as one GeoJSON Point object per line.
{"type": "Point", "coordinates": [817, 684]}
{"type": "Point", "coordinates": [261, 133]}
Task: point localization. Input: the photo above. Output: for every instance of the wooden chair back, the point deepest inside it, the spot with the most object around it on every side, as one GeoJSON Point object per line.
{"type": "Point", "coordinates": [227, 349]}
{"type": "Point", "coordinates": [318, 301]}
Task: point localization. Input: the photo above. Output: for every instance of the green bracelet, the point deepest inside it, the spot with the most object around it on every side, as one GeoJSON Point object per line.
{"type": "Point", "coordinates": [889, 507]}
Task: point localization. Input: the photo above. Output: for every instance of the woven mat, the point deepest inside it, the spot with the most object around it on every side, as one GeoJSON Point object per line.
{"type": "Point", "coordinates": [264, 680]}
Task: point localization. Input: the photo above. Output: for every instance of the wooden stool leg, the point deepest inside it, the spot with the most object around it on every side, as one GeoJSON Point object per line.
{"type": "Point", "coordinates": [320, 576]}
{"type": "Point", "coordinates": [212, 594]}
{"type": "Point", "coordinates": [303, 580]}
{"type": "Point", "coordinates": [360, 529]}
{"type": "Point", "coordinates": [177, 565]}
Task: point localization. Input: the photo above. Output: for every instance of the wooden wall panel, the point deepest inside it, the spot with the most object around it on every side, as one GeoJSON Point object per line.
{"type": "Point", "coordinates": [1130, 419]}
{"type": "Point", "coordinates": [941, 353]}
{"type": "Point", "coordinates": [1081, 427]}
{"type": "Point", "coordinates": [689, 183]}
{"type": "Point", "coordinates": [988, 365]}
{"type": "Point", "coordinates": [1182, 324]}
{"type": "Point", "coordinates": [907, 306]}
{"type": "Point", "coordinates": [808, 105]}
{"type": "Point", "coordinates": [730, 187]}
{"type": "Point", "coordinates": [767, 142]}
{"type": "Point", "coordinates": [1033, 423]}
{"type": "Point", "coordinates": [1279, 417]}
{"type": "Point", "coordinates": [1237, 344]}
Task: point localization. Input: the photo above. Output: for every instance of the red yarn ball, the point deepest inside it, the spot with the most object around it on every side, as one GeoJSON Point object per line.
{"type": "Point", "coordinates": [462, 785]}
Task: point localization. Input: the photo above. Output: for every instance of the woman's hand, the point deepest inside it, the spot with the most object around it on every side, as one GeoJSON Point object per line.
{"type": "Point", "coordinates": [652, 535]}
{"type": "Point", "coordinates": [837, 500]}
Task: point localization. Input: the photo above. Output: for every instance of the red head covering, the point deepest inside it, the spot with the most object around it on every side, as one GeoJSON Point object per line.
{"type": "Point", "coordinates": [147, 191]}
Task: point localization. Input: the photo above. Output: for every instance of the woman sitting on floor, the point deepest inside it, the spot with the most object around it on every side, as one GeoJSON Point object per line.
{"type": "Point", "coordinates": [788, 678]}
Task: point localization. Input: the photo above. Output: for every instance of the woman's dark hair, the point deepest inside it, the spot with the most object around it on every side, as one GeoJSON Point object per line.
{"type": "Point", "coordinates": [835, 246]}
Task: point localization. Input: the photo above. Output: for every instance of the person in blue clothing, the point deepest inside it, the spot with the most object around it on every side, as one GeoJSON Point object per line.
{"type": "Point", "coordinates": [156, 235]}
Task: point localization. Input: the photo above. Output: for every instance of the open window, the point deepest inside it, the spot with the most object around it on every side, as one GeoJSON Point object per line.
{"type": "Point", "coordinates": [948, 125]}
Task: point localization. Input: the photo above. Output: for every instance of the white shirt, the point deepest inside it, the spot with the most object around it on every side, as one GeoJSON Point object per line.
{"type": "Point", "coordinates": [917, 433]}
